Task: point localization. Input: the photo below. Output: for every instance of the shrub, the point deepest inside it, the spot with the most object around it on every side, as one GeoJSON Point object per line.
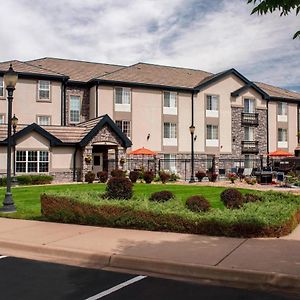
{"type": "Point", "coordinates": [232, 198]}
{"type": "Point", "coordinates": [250, 180]}
{"type": "Point", "coordinates": [232, 177]}
{"type": "Point", "coordinates": [117, 173]}
{"type": "Point", "coordinates": [251, 198]}
{"type": "Point", "coordinates": [24, 179]}
{"type": "Point", "coordinates": [134, 176]}
{"type": "Point", "coordinates": [39, 179]}
{"type": "Point", "coordinates": [161, 196]}
{"type": "Point", "coordinates": [212, 176]}
{"type": "Point", "coordinates": [200, 175]}
{"type": "Point", "coordinates": [197, 204]}
{"type": "Point", "coordinates": [89, 177]}
{"type": "Point", "coordinates": [174, 177]}
{"type": "Point", "coordinates": [148, 176]}
{"type": "Point", "coordinates": [119, 188]}
{"type": "Point", "coordinates": [103, 176]}
{"type": "Point", "coordinates": [164, 176]}
{"type": "Point", "coordinates": [3, 181]}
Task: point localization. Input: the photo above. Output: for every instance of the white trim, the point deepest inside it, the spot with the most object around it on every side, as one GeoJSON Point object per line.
{"type": "Point", "coordinates": [47, 90]}
{"type": "Point", "coordinates": [122, 107]}
{"type": "Point", "coordinates": [170, 141]}
{"type": "Point", "coordinates": [282, 144]}
{"type": "Point", "coordinates": [212, 143]}
{"type": "Point", "coordinates": [212, 113]}
{"type": "Point", "coordinates": [282, 118]}
{"type": "Point", "coordinates": [170, 110]}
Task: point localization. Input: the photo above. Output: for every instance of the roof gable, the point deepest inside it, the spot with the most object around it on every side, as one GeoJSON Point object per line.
{"type": "Point", "coordinates": [248, 86]}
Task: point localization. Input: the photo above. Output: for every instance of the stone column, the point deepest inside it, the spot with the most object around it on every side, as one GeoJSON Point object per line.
{"type": "Point", "coordinates": [86, 166]}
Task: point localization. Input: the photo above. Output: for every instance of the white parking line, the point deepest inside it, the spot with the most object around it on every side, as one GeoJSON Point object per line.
{"type": "Point", "coordinates": [116, 288]}
{"type": "Point", "coordinates": [2, 256]}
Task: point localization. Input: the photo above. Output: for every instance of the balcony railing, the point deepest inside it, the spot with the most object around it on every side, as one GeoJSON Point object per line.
{"type": "Point", "coordinates": [250, 119]}
{"type": "Point", "coordinates": [250, 147]}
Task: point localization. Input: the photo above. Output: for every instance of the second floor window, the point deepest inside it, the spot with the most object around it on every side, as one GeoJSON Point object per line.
{"type": "Point", "coordinates": [122, 95]}
{"type": "Point", "coordinates": [282, 108]}
{"type": "Point", "coordinates": [1, 87]}
{"type": "Point", "coordinates": [170, 100]}
{"type": "Point", "coordinates": [44, 120]}
{"type": "Point", "coordinates": [249, 105]}
{"type": "Point", "coordinates": [170, 131]}
{"type": "Point", "coordinates": [124, 126]}
{"type": "Point", "coordinates": [248, 133]}
{"type": "Point", "coordinates": [75, 109]}
{"type": "Point", "coordinates": [282, 135]}
{"type": "Point", "coordinates": [212, 102]}
{"type": "Point", "coordinates": [212, 132]}
{"type": "Point", "coordinates": [44, 90]}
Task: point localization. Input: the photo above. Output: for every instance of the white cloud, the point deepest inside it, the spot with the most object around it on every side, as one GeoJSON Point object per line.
{"type": "Point", "coordinates": [176, 32]}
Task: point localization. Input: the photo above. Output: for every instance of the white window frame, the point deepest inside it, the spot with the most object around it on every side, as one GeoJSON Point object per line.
{"type": "Point", "coordinates": [251, 108]}
{"type": "Point", "coordinates": [2, 87]}
{"type": "Point", "coordinates": [38, 161]}
{"type": "Point", "coordinates": [282, 143]}
{"type": "Point", "coordinates": [212, 139]}
{"type": "Point", "coordinates": [212, 106]}
{"type": "Point", "coordinates": [170, 163]}
{"type": "Point", "coordinates": [170, 134]}
{"type": "Point", "coordinates": [38, 119]}
{"type": "Point", "coordinates": [125, 104]}
{"type": "Point", "coordinates": [42, 89]}
{"type": "Point", "coordinates": [249, 134]}
{"type": "Point", "coordinates": [169, 103]}
{"type": "Point", "coordinates": [282, 112]}
{"type": "Point", "coordinates": [125, 126]}
{"type": "Point", "coordinates": [72, 121]}
{"type": "Point", "coordinates": [2, 118]}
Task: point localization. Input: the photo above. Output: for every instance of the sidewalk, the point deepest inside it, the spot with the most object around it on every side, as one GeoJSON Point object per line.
{"type": "Point", "coordinates": [263, 263]}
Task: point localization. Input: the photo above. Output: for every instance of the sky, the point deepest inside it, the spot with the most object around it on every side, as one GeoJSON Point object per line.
{"type": "Point", "coordinates": [210, 35]}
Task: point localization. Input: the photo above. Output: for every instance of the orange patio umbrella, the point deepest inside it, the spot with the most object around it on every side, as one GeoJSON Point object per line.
{"type": "Point", "coordinates": [142, 151]}
{"type": "Point", "coordinates": [280, 153]}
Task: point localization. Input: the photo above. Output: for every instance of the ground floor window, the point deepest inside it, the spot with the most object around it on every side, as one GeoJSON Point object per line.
{"type": "Point", "coordinates": [249, 161]}
{"type": "Point", "coordinates": [32, 161]}
{"type": "Point", "coordinates": [125, 126]}
{"type": "Point", "coordinates": [169, 162]}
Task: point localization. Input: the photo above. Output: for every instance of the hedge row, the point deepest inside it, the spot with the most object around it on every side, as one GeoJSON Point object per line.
{"type": "Point", "coordinates": [29, 179]}
{"type": "Point", "coordinates": [237, 223]}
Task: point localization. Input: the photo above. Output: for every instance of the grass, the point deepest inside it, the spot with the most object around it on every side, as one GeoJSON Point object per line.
{"type": "Point", "coordinates": [27, 199]}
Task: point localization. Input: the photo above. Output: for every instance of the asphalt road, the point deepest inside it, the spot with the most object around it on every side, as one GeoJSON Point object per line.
{"type": "Point", "coordinates": [22, 279]}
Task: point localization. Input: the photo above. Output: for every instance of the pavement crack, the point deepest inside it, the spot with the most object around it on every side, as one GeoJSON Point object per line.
{"type": "Point", "coordinates": [230, 252]}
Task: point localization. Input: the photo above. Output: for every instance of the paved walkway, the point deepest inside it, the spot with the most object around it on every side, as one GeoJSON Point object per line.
{"type": "Point", "coordinates": [268, 262]}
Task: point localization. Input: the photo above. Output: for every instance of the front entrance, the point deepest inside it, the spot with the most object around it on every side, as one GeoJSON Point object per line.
{"type": "Point", "coordinates": [97, 162]}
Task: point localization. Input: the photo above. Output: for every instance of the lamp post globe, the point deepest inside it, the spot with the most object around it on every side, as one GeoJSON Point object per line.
{"type": "Point", "coordinates": [10, 79]}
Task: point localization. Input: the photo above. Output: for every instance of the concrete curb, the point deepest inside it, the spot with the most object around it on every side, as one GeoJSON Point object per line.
{"type": "Point", "coordinates": [231, 277]}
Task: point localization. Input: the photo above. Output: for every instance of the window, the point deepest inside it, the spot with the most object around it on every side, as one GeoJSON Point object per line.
{"type": "Point", "coordinates": [124, 126]}
{"type": "Point", "coordinates": [212, 132]}
{"type": "Point", "coordinates": [2, 118]}
{"type": "Point", "coordinates": [282, 135]}
{"type": "Point", "coordinates": [170, 99]}
{"type": "Point", "coordinates": [44, 90]}
{"type": "Point", "coordinates": [282, 108]}
{"type": "Point", "coordinates": [170, 131]}
{"type": "Point", "coordinates": [170, 162]}
{"type": "Point", "coordinates": [1, 87]}
{"type": "Point", "coordinates": [122, 96]}
{"type": "Point", "coordinates": [44, 120]}
{"type": "Point", "coordinates": [248, 133]}
{"type": "Point", "coordinates": [249, 161]}
{"type": "Point", "coordinates": [249, 105]}
{"type": "Point", "coordinates": [32, 161]}
{"type": "Point", "coordinates": [75, 109]}
{"type": "Point", "coordinates": [212, 102]}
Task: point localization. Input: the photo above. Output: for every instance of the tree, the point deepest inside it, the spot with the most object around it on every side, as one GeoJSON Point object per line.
{"type": "Point", "coordinates": [285, 7]}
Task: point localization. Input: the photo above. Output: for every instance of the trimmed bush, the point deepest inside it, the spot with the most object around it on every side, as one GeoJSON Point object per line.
{"type": "Point", "coordinates": [89, 177]}
{"type": "Point", "coordinates": [200, 175]}
{"type": "Point", "coordinates": [164, 176]}
{"type": "Point", "coordinates": [119, 188]}
{"type": "Point", "coordinates": [197, 204]}
{"type": "Point", "coordinates": [134, 176]}
{"type": "Point", "coordinates": [161, 196]}
{"type": "Point", "coordinates": [24, 179]}
{"type": "Point", "coordinates": [3, 181]}
{"type": "Point", "coordinates": [174, 177]}
{"type": "Point", "coordinates": [148, 176]}
{"type": "Point", "coordinates": [102, 176]}
{"type": "Point", "coordinates": [232, 198]}
{"type": "Point", "coordinates": [117, 173]}
{"type": "Point", "coordinates": [251, 198]}
{"type": "Point", "coordinates": [40, 179]}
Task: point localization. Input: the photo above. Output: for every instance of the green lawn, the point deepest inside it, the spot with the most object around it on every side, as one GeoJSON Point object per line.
{"type": "Point", "coordinates": [27, 199]}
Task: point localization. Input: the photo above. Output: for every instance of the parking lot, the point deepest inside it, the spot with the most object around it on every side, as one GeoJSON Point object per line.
{"type": "Point", "coordinates": [27, 279]}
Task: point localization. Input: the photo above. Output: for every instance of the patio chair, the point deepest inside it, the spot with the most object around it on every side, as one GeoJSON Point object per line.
{"type": "Point", "coordinates": [247, 172]}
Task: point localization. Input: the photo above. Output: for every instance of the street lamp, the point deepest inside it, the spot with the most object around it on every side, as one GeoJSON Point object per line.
{"type": "Point", "coordinates": [10, 80]}
{"type": "Point", "coordinates": [14, 122]}
{"type": "Point", "coordinates": [192, 131]}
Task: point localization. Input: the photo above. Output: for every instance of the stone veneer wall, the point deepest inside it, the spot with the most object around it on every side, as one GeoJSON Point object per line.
{"type": "Point", "coordinates": [84, 94]}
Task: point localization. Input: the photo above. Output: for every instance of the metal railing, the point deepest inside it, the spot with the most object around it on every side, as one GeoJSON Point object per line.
{"type": "Point", "coordinates": [250, 147]}
{"type": "Point", "coordinates": [250, 119]}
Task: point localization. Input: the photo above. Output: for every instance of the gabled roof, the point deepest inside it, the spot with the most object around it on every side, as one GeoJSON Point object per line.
{"type": "Point", "coordinates": [82, 71]}
{"type": "Point", "coordinates": [156, 75]}
{"type": "Point", "coordinates": [24, 68]}
{"type": "Point", "coordinates": [247, 87]}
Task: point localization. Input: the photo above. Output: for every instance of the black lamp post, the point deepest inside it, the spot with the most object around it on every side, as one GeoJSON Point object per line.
{"type": "Point", "coordinates": [10, 80]}
{"type": "Point", "coordinates": [14, 122]}
{"type": "Point", "coordinates": [192, 131]}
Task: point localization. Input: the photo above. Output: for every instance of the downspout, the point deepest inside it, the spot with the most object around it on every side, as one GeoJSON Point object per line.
{"type": "Point", "coordinates": [97, 108]}
{"type": "Point", "coordinates": [62, 104]}
{"type": "Point", "coordinates": [193, 108]}
{"type": "Point", "coordinates": [268, 161]}
{"type": "Point", "coordinates": [65, 104]}
{"type": "Point", "coordinates": [74, 164]}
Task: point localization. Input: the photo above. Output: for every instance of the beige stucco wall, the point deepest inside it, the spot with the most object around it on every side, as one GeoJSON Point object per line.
{"type": "Point", "coordinates": [25, 104]}
{"type": "Point", "coordinates": [32, 141]}
{"type": "Point", "coordinates": [147, 118]}
{"type": "Point", "coordinates": [292, 127]}
{"type": "Point", "coordinates": [93, 102]}
{"type": "Point", "coordinates": [62, 159]}
{"type": "Point", "coordinates": [251, 93]}
{"type": "Point", "coordinates": [105, 100]}
{"type": "Point", "coordinates": [3, 159]}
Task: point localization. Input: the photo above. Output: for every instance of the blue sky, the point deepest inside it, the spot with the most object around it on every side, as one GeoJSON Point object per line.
{"type": "Point", "coordinates": [211, 35]}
